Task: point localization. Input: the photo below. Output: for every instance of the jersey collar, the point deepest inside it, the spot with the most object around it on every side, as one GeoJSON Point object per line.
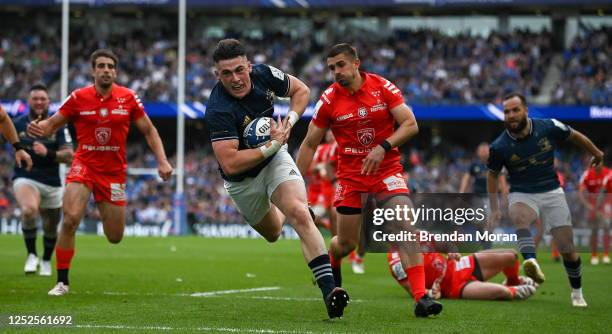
{"type": "Point", "coordinates": [530, 123]}
{"type": "Point", "coordinates": [98, 96]}
{"type": "Point", "coordinates": [364, 84]}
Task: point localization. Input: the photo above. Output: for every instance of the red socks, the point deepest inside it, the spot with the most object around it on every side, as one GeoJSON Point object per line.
{"type": "Point", "coordinates": [512, 274]}
{"type": "Point", "coordinates": [416, 277]}
{"type": "Point", "coordinates": [335, 263]}
{"type": "Point", "coordinates": [63, 257]}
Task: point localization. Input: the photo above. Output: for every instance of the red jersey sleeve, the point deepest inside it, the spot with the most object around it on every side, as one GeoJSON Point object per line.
{"type": "Point", "coordinates": [322, 111]}
{"type": "Point", "coordinates": [137, 108]}
{"type": "Point", "coordinates": [583, 179]}
{"type": "Point", "coordinates": [69, 106]}
{"type": "Point", "coordinates": [392, 95]}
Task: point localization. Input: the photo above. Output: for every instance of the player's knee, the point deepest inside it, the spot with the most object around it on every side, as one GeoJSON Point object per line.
{"type": "Point", "coordinates": [272, 237]}
{"type": "Point", "coordinates": [299, 214]}
{"type": "Point", "coordinates": [29, 212]}
{"type": "Point", "coordinates": [114, 238]}
{"type": "Point", "coordinates": [70, 223]}
{"type": "Point", "coordinates": [347, 245]}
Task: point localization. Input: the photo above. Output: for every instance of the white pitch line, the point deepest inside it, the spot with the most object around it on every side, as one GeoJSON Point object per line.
{"type": "Point", "coordinates": [225, 292]}
{"type": "Point", "coordinates": [221, 293]}
{"type": "Point", "coordinates": [200, 329]}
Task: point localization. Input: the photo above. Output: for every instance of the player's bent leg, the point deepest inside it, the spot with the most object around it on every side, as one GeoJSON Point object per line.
{"type": "Point", "coordinates": [290, 198]}
{"type": "Point", "coordinates": [492, 262]}
{"type": "Point", "coordinates": [494, 291]}
{"type": "Point", "coordinates": [271, 225]}
{"type": "Point", "coordinates": [347, 237]}
{"type": "Point", "coordinates": [51, 219]}
{"type": "Point", "coordinates": [564, 238]}
{"type": "Point", "coordinates": [113, 221]}
{"type": "Point", "coordinates": [28, 199]}
{"type": "Point", "coordinates": [522, 216]}
{"type": "Point", "coordinates": [411, 257]}
{"type": "Point", "coordinates": [486, 291]}
{"type": "Point", "coordinates": [75, 200]}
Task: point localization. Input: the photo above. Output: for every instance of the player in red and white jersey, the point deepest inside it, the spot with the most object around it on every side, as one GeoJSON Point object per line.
{"type": "Point", "coordinates": [320, 178]}
{"type": "Point", "coordinates": [466, 277]}
{"type": "Point", "coordinates": [362, 110]}
{"type": "Point", "coordinates": [591, 185]}
{"type": "Point", "coordinates": [101, 114]}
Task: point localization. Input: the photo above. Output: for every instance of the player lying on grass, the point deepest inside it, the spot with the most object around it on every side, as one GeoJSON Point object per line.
{"type": "Point", "coordinates": [465, 277]}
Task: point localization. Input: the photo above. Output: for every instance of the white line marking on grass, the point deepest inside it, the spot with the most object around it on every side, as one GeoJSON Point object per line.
{"type": "Point", "coordinates": [225, 292]}
{"type": "Point", "coordinates": [301, 299]}
{"type": "Point", "coordinates": [221, 293]}
{"type": "Point", "coordinates": [200, 329]}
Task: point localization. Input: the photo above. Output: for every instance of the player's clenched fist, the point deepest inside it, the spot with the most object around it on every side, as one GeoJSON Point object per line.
{"type": "Point", "coordinates": [165, 170]}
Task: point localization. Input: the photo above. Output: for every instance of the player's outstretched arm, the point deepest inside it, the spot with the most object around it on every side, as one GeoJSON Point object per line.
{"type": "Point", "coordinates": [146, 127]}
{"type": "Point", "coordinates": [47, 127]}
{"type": "Point", "coordinates": [308, 147]}
{"type": "Point", "coordinates": [586, 144]}
{"type": "Point", "coordinates": [7, 129]}
{"type": "Point", "coordinates": [234, 161]}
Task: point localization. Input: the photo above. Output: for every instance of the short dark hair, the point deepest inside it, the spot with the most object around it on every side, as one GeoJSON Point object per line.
{"type": "Point", "coordinates": [515, 94]}
{"type": "Point", "coordinates": [342, 48]}
{"type": "Point", "coordinates": [228, 49]}
{"type": "Point", "coordinates": [103, 53]}
{"type": "Point", "coordinates": [39, 86]}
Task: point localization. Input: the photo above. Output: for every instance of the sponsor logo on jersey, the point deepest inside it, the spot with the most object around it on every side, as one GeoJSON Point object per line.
{"type": "Point", "coordinates": [362, 112]}
{"type": "Point", "coordinates": [103, 112]}
{"type": "Point", "coordinates": [270, 96]}
{"type": "Point", "coordinates": [366, 136]}
{"type": "Point", "coordinates": [87, 113]}
{"type": "Point", "coordinates": [103, 135]}
{"type": "Point", "coordinates": [75, 170]}
{"type": "Point", "coordinates": [379, 106]}
{"type": "Point", "coordinates": [395, 182]}
{"type": "Point", "coordinates": [117, 192]}
{"type": "Point", "coordinates": [357, 150]}
{"type": "Point", "coordinates": [339, 195]}
{"type": "Point", "coordinates": [120, 112]}
{"type": "Point", "coordinates": [344, 117]}
{"type": "Point", "coordinates": [514, 158]}
{"type": "Point", "coordinates": [544, 144]}
{"type": "Point", "coordinates": [277, 73]}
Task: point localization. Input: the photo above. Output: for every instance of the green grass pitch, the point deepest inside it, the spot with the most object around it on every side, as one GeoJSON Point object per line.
{"type": "Point", "coordinates": [143, 285]}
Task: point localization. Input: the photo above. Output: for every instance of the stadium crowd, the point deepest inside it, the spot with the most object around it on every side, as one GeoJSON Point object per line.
{"type": "Point", "coordinates": [429, 66]}
{"type": "Point", "coordinates": [586, 76]}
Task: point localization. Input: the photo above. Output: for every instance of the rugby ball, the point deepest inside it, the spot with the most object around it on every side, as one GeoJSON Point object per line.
{"type": "Point", "coordinates": [257, 132]}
